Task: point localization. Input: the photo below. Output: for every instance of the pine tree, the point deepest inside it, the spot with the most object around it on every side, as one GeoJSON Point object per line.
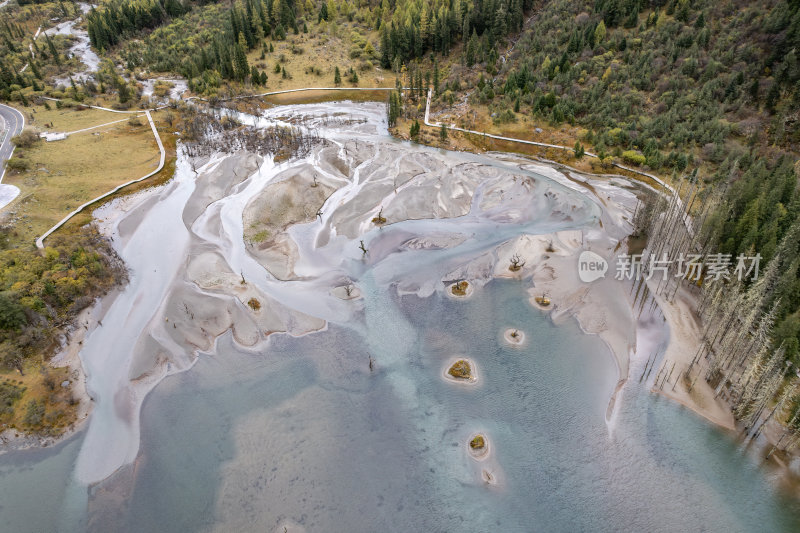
{"type": "Point", "coordinates": [600, 33]}
{"type": "Point", "coordinates": [470, 56]}
{"type": "Point", "coordinates": [425, 26]}
{"type": "Point", "coordinates": [499, 27]}
{"type": "Point", "coordinates": [124, 92]}
{"type": "Point", "coordinates": [579, 150]}
{"type": "Point", "coordinates": [395, 108]}
{"type": "Point", "coordinates": [241, 68]}
{"type": "Point", "coordinates": [226, 63]}
{"type": "Point", "coordinates": [391, 116]}
{"type": "Point", "coordinates": [385, 45]}
{"type": "Point", "coordinates": [34, 68]}
{"type": "Point", "coordinates": [276, 13]}
{"type": "Point", "coordinates": [53, 51]}
{"type": "Point", "coordinates": [700, 23]}
{"type": "Point", "coordinates": [414, 131]}
{"type": "Point", "coordinates": [773, 95]}
{"type": "Point", "coordinates": [337, 76]}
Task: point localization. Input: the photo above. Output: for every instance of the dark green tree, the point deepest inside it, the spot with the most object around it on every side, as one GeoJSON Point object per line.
{"type": "Point", "coordinates": [12, 315]}
{"type": "Point", "coordinates": [53, 51]}
{"type": "Point", "coordinates": [578, 150]}
{"type": "Point", "coordinates": [414, 131]}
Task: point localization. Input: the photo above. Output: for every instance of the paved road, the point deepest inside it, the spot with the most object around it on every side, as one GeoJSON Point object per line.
{"type": "Point", "coordinates": [13, 122]}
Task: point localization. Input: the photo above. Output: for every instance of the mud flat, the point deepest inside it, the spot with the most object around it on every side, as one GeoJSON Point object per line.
{"type": "Point", "coordinates": [279, 354]}
{"type": "Point", "coordinates": [258, 248]}
{"type": "Point", "coordinates": [294, 196]}
{"type": "Point", "coordinates": [182, 295]}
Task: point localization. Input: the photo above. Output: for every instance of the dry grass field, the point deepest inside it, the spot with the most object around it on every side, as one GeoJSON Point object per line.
{"type": "Point", "coordinates": [64, 174]}
{"type": "Point", "coordinates": [66, 119]}
{"type": "Point", "coordinates": [310, 61]}
{"type": "Point", "coordinates": [40, 384]}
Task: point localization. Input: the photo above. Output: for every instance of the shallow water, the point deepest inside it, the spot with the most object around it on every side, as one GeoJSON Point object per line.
{"type": "Point", "coordinates": [297, 432]}
{"type": "Point", "coordinates": [37, 491]}
{"type": "Point", "coordinates": [304, 434]}
{"type": "Point", "coordinates": [82, 47]}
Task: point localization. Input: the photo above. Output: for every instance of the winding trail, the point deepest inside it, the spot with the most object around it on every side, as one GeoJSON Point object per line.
{"type": "Point", "coordinates": [40, 240]}
{"type": "Point", "coordinates": [667, 187]}
{"type": "Point", "coordinates": [427, 121]}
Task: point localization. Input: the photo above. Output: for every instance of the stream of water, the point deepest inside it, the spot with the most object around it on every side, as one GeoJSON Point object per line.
{"type": "Point", "coordinates": [82, 48]}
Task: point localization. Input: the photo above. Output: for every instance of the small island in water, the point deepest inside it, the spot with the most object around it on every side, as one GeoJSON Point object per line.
{"type": "Point", "coordinates": [461, 289]}
{"type": "Point", "coordinates": [478, 446]}
{"type": "Point", "coordinates": [514, 336]}
{"type": "Point", "coordinates": [461, 370]}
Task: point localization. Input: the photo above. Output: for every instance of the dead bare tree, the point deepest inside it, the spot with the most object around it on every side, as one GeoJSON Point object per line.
{"type": "Point", "coordinates": [205, 132]}
{"type": "Point", "coordinates": [379, 219]}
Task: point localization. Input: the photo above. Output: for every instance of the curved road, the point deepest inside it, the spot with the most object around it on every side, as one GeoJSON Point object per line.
{"type": "Point", "coordinates": [13, 122]}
